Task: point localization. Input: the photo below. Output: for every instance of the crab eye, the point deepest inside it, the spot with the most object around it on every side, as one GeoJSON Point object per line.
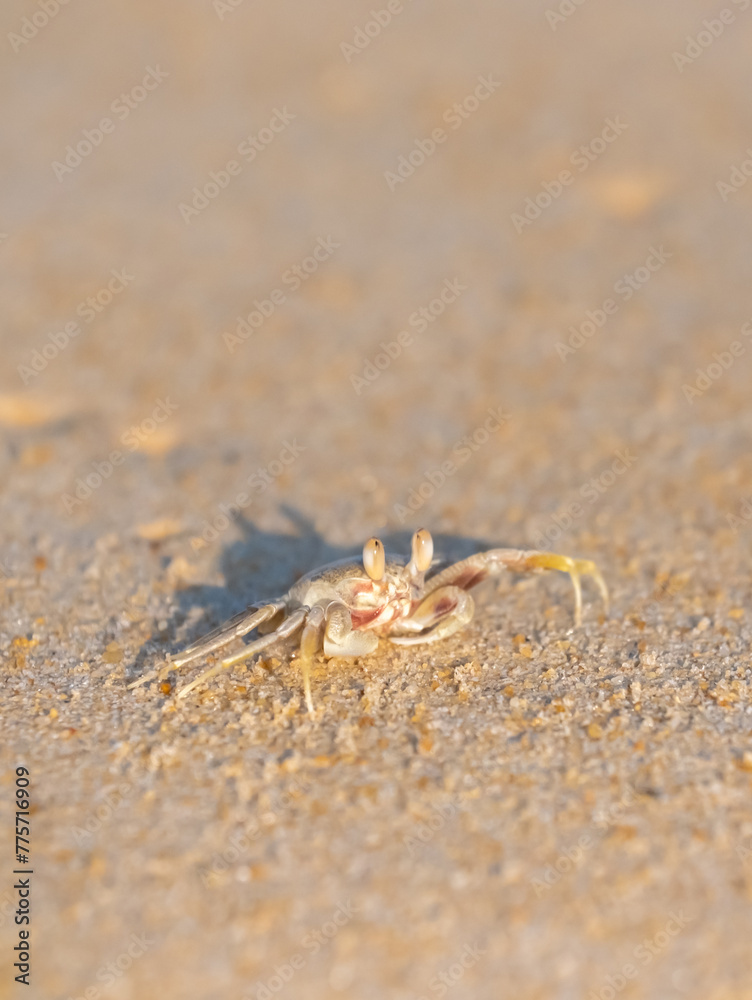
{"type": "Point", "coordinates": [374, 559]}
{"type": "Point", "coordinates": [422, 549]}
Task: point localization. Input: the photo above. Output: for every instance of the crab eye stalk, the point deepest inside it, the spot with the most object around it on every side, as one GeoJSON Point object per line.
{"type": "Point", "coordinates": [374, 559]}
{"type": "Point", "coordinates": [422, 550]}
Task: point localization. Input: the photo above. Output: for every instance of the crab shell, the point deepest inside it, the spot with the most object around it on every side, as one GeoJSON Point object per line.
{"type": "Point", "coordinates": [373, 604]}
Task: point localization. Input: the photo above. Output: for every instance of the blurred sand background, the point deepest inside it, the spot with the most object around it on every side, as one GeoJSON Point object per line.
{"type": "Point", "coordinates": [566, 811]}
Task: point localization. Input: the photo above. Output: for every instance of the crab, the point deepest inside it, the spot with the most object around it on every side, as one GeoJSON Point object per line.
{"type": "Point", "coordinates": [343, 609]}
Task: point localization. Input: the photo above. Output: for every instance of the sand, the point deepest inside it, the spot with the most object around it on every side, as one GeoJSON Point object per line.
{"type": "Point", "coordinates": [280, 277]}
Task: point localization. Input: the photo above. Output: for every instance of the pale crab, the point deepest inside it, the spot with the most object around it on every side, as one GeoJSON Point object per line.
{"type": "Point", "coordinates": [343, 610]}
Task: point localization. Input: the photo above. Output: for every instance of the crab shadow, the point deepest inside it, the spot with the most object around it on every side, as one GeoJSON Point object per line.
{"type": "Point", "coordinates": [262, 565]}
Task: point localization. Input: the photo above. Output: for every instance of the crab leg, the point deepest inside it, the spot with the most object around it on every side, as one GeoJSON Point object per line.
{"type": "Point", "coordinates": [447, 609]}
{"type": "Point", "coordinates": [236, 627]}
{"type": "Point", "coordinates": [473, 570]}
{"type": "Point", "coordinates": [310, 644]}
{"type": "Point", "coordinates": [287, 628]}
{"type": "Point", "coordinates": [332, 629]}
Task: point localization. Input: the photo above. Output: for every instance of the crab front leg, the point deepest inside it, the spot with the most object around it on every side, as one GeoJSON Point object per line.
{"type": "Point", "coordinates": [473, 570]}
{"type": "Point", "coordinates": [310, 643]}
{"type": "Point", "coordinates": [443, 613]}
{"type": "Point", "coordinates": [331, 627]}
